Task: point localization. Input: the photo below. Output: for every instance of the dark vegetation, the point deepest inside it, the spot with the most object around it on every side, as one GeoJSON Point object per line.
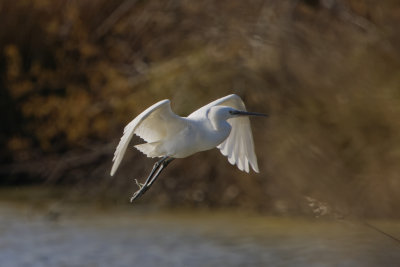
{"type": "Point", "coordinates": [73, 73]}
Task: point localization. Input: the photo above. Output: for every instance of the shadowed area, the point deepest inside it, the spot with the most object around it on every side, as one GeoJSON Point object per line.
{"type": "Point", "coordinates": [327, 73]}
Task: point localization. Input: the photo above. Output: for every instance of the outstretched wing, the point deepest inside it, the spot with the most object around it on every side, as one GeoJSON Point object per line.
{"type": "Point", "coordinates": [152, 125]}
{"type": "Point", "coordinates": [239, 146]}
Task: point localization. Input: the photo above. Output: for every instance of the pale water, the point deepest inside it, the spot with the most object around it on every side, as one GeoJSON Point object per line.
{"type": "Point", "coordinates": [89, 236]}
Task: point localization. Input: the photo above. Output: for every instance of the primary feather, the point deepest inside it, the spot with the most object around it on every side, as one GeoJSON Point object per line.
{"type": "Point", "coordinates": [151, 126]}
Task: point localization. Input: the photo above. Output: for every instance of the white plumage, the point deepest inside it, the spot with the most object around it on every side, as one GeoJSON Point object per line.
{"type": "Point", "coordinates": [223, 123]}
{"type": "Point", "coordinates": [239, 146]}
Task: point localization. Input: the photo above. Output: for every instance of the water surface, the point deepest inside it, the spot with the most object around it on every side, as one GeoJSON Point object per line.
{"type": "Point", "coordinates": [76, 235]}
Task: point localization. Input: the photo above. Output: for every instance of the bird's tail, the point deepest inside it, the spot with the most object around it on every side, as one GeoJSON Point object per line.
{"type": "Point", "coordinates": [149, 149]}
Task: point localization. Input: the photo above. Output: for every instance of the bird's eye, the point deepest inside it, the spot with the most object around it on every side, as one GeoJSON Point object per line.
{"type": "Point", "coordinates": [231, 112]}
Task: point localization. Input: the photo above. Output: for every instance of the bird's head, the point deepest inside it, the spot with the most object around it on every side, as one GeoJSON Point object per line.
{"type": "Point", "coordinates": [225, 113]}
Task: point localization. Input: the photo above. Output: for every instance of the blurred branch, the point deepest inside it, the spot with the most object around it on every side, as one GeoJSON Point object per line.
{"type": "Point", "coordinates": [78, 160]}
{"type": "Point", "coordinates": [321, 209]}
{"type": "Point", "coordinates": [114, 17]}
{"type": "Point", "coordinates": [345, 13]}
{"type": "Point", "coordinates": [54, 169]}
{"type": "Point", "coordinates": [375, 228]}
{"type": "Point", "coordinates": [286, 40]}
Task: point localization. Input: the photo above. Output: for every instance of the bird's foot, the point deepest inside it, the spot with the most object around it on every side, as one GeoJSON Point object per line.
{"type": "Point", "coordinates": [138, 193]}
{"type": "Point", "coordinates": [135, 195]}
{"type": "Point", "coordinates": [142, 189]}
{"type": "Point", "coordinates": [140, 185]}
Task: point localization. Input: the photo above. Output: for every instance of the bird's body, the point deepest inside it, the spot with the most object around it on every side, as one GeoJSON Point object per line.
{"type": "Point", "coordinates": [195, 135]}
{"type": "Point", "coordinates": [219, 124]}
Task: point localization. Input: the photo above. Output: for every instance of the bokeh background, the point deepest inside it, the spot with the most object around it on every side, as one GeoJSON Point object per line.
{"type": "Point", "coordinates": [74, 73]}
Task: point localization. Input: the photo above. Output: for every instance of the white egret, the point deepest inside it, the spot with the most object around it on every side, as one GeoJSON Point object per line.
{"type": "Point", "coordinates": [223, 123]}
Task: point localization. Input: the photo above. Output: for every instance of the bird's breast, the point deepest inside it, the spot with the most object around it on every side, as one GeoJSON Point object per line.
{"type": "Point", "coordinates": [198, 137]}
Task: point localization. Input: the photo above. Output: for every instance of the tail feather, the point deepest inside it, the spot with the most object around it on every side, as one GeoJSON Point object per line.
{"type": "Point", "coordinates": [149, 149]}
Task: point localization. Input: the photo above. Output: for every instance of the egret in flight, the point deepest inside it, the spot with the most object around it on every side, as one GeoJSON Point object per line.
{"type": "Point", "coordinates": [223, 123]}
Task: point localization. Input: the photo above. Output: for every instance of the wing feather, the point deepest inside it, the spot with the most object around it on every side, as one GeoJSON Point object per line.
{"type": "Point", "coordinates": [239, 146]}
{"type": "Point", "coordinates": [152, 125]}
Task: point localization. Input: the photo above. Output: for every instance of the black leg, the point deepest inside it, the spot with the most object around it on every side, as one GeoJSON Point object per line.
{"type": "Point", "coordinates": [155, 172]}
{"type": "Point", "coordinates": [144, 187]}
{"type": "Point", "coordinates": [155, 168]}
{"type": "Point", "coordinates": [164, 164]}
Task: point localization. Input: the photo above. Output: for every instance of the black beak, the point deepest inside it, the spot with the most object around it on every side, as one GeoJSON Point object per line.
{"type": "Point", "coordinates": [246, 113]}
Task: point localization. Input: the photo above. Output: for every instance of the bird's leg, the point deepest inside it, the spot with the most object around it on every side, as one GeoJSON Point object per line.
{"type": "Point", "coordinates": [148, 183]}
{"type": "Point", "coordinates": [144, 187]}
{"type": "Point", "coordinates": [164, 164]}
{"type": "Point", "coordinates": [155, 168]}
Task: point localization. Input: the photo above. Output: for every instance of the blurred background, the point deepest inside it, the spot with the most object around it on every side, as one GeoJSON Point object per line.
{"type": "Point", "coordinates": [74, 73]}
